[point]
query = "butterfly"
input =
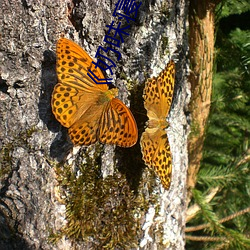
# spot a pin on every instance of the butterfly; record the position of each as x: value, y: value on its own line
x: 157, y: 95
x: 90, y: 111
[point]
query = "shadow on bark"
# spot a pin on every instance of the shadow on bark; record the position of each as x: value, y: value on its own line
x: 9, y: 239
x: 61, y: 145
x: 130, y: 159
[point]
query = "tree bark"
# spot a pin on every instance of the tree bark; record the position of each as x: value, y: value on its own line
x: 201, y: 40
x: 41, y: 171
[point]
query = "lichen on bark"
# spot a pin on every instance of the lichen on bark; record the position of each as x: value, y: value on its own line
x: 33, y: 143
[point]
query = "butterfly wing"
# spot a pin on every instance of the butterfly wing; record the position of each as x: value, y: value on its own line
x: 85, y: 130
x: 117, y: 125
x: 73, y: 64
x: 158, y: 93
x: 76, y: 91
x: 69, y: 104
x: 156, y: 154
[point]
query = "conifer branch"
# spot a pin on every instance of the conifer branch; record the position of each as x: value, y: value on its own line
x: 194, y: 209
x: 205, y: 238
x: 230, y: 217
x: 245, y: 159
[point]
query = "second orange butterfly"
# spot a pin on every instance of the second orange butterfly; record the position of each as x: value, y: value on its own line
x: 158, y: 94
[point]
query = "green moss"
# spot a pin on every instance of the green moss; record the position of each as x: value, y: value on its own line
x: 195, y: 129
x: 28, y: 133
x: 164, y: 45
x: 129, y: 83
x: 123, y: 76
x: 5, y: 160
x: 19, y: 140
x: 105, y: 212
x: 164, y: 10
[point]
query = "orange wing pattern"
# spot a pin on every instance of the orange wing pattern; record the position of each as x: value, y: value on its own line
x: 89, y: 110
x: 117, y: 125
x: 158, y: 93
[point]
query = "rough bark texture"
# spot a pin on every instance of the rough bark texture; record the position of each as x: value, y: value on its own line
x: 32, y: 142
x: 201, y: 40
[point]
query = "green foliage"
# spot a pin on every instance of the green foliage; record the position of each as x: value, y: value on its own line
x: 207, y: 211
x: 218, y: 176
x: 230, y: 7
x: 226, y: 153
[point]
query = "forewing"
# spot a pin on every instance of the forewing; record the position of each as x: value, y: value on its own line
x: 158, y: 92
x: 76, y: 92
x: 73, y: 64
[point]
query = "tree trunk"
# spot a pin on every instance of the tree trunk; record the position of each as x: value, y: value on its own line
x: 54, y: 196
x: 201, y: 40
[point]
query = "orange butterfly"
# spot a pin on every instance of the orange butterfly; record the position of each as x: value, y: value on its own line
x: 89, y: 110
x: 158, y: 93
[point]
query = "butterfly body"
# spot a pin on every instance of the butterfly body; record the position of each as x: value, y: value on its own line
x: 158, y: 93
x: 90, y: 111
x: 107, y: 96
x: 157, y: 123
